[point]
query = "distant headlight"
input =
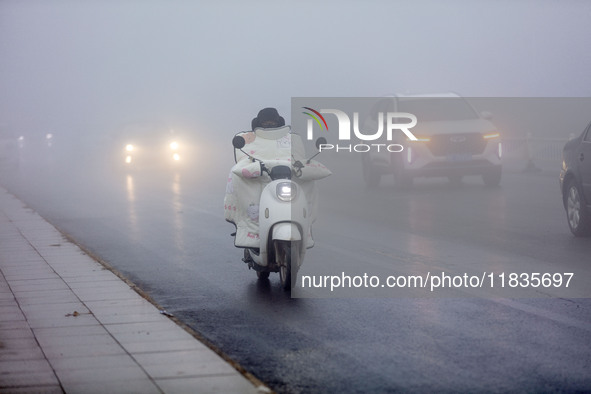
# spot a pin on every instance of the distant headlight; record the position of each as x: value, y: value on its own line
x: 174, y: 145
x: 129, y: 148
x: 176, y: 157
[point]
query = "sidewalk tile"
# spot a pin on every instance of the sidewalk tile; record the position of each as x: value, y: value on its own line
x: 68, y: 332
x: 99, y: 287
x: 32, y: 389
x: 92, y: 280
x: 184, y: 363
x: 12, y: 316
x: 106, y: 293
x: 91, y: 362
x: 127, y: 318
x: 207, y: 385
x: 37, y: 274
x: 143, y: 386
x: 62, y: 321
x: 97, y: 283
x: 19, y: 379
x: 115, y: 304
x: 25, y: 266
x: 14, y: 325
x: 141, y: 328
x: 4, y: 310
x: 24, y: 366
x: 46, y: 297
x: 151, y: 337
x: 8, y: 334
x: 95, y: 350
x: 76, y: 341
x: 101, y: 374
x: 163, y: 346
x: 51, y: 310
x: 55, y: 283
x: 23, y: 353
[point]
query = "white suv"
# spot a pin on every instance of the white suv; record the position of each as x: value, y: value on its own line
x: 454, y: 140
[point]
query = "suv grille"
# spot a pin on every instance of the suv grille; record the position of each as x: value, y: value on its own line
x: 453, y: 144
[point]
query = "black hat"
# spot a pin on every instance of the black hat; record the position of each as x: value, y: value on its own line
x: 268, y: 118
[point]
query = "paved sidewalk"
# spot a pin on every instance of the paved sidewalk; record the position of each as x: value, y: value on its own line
x: 67, y: 324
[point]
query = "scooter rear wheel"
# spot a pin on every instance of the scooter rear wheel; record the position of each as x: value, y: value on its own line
x: 262, y: 275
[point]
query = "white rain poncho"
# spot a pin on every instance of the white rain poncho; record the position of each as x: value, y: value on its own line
x: 245, y: 181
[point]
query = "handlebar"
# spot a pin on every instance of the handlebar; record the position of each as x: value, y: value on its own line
x: 239, y: 142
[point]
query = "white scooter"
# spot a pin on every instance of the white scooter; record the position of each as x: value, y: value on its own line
x: 284, y: 221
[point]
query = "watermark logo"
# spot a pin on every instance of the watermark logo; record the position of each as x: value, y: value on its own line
x: 386, y: 123
x: 315, y: 117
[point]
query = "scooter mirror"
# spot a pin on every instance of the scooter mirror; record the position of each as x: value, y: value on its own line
x: 238, y: 142
x: 320, y: 141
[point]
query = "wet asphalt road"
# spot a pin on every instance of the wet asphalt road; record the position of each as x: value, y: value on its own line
x: 165, y: 231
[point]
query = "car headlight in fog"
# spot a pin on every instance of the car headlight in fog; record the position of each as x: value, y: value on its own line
x: 128, y: 159
x: 420, y: 139
x: 129, y: 148
x: 488, y: 136
x: 174, y: 146
x: 176, y: 157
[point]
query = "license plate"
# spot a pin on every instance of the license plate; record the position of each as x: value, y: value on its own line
x: 459, y: 157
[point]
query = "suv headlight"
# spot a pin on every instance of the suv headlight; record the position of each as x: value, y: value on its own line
x: 286, y: 191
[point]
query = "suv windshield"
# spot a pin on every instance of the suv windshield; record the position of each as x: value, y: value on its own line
x: 437, y: 109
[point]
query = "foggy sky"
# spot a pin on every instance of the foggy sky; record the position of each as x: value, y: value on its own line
x: 73, y: 65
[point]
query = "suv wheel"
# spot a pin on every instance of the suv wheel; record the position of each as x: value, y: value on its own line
x: 577, y: 216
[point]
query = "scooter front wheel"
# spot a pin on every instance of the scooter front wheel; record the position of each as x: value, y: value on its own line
x: 283, y: 259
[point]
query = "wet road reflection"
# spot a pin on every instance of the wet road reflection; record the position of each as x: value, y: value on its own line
x: 177, y: 211
x: 166, y: 232
x: 131, y: 208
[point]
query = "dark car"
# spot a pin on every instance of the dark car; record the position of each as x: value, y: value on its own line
x: 575, y: 183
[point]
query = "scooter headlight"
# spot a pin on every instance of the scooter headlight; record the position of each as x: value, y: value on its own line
x: 286, y: 191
